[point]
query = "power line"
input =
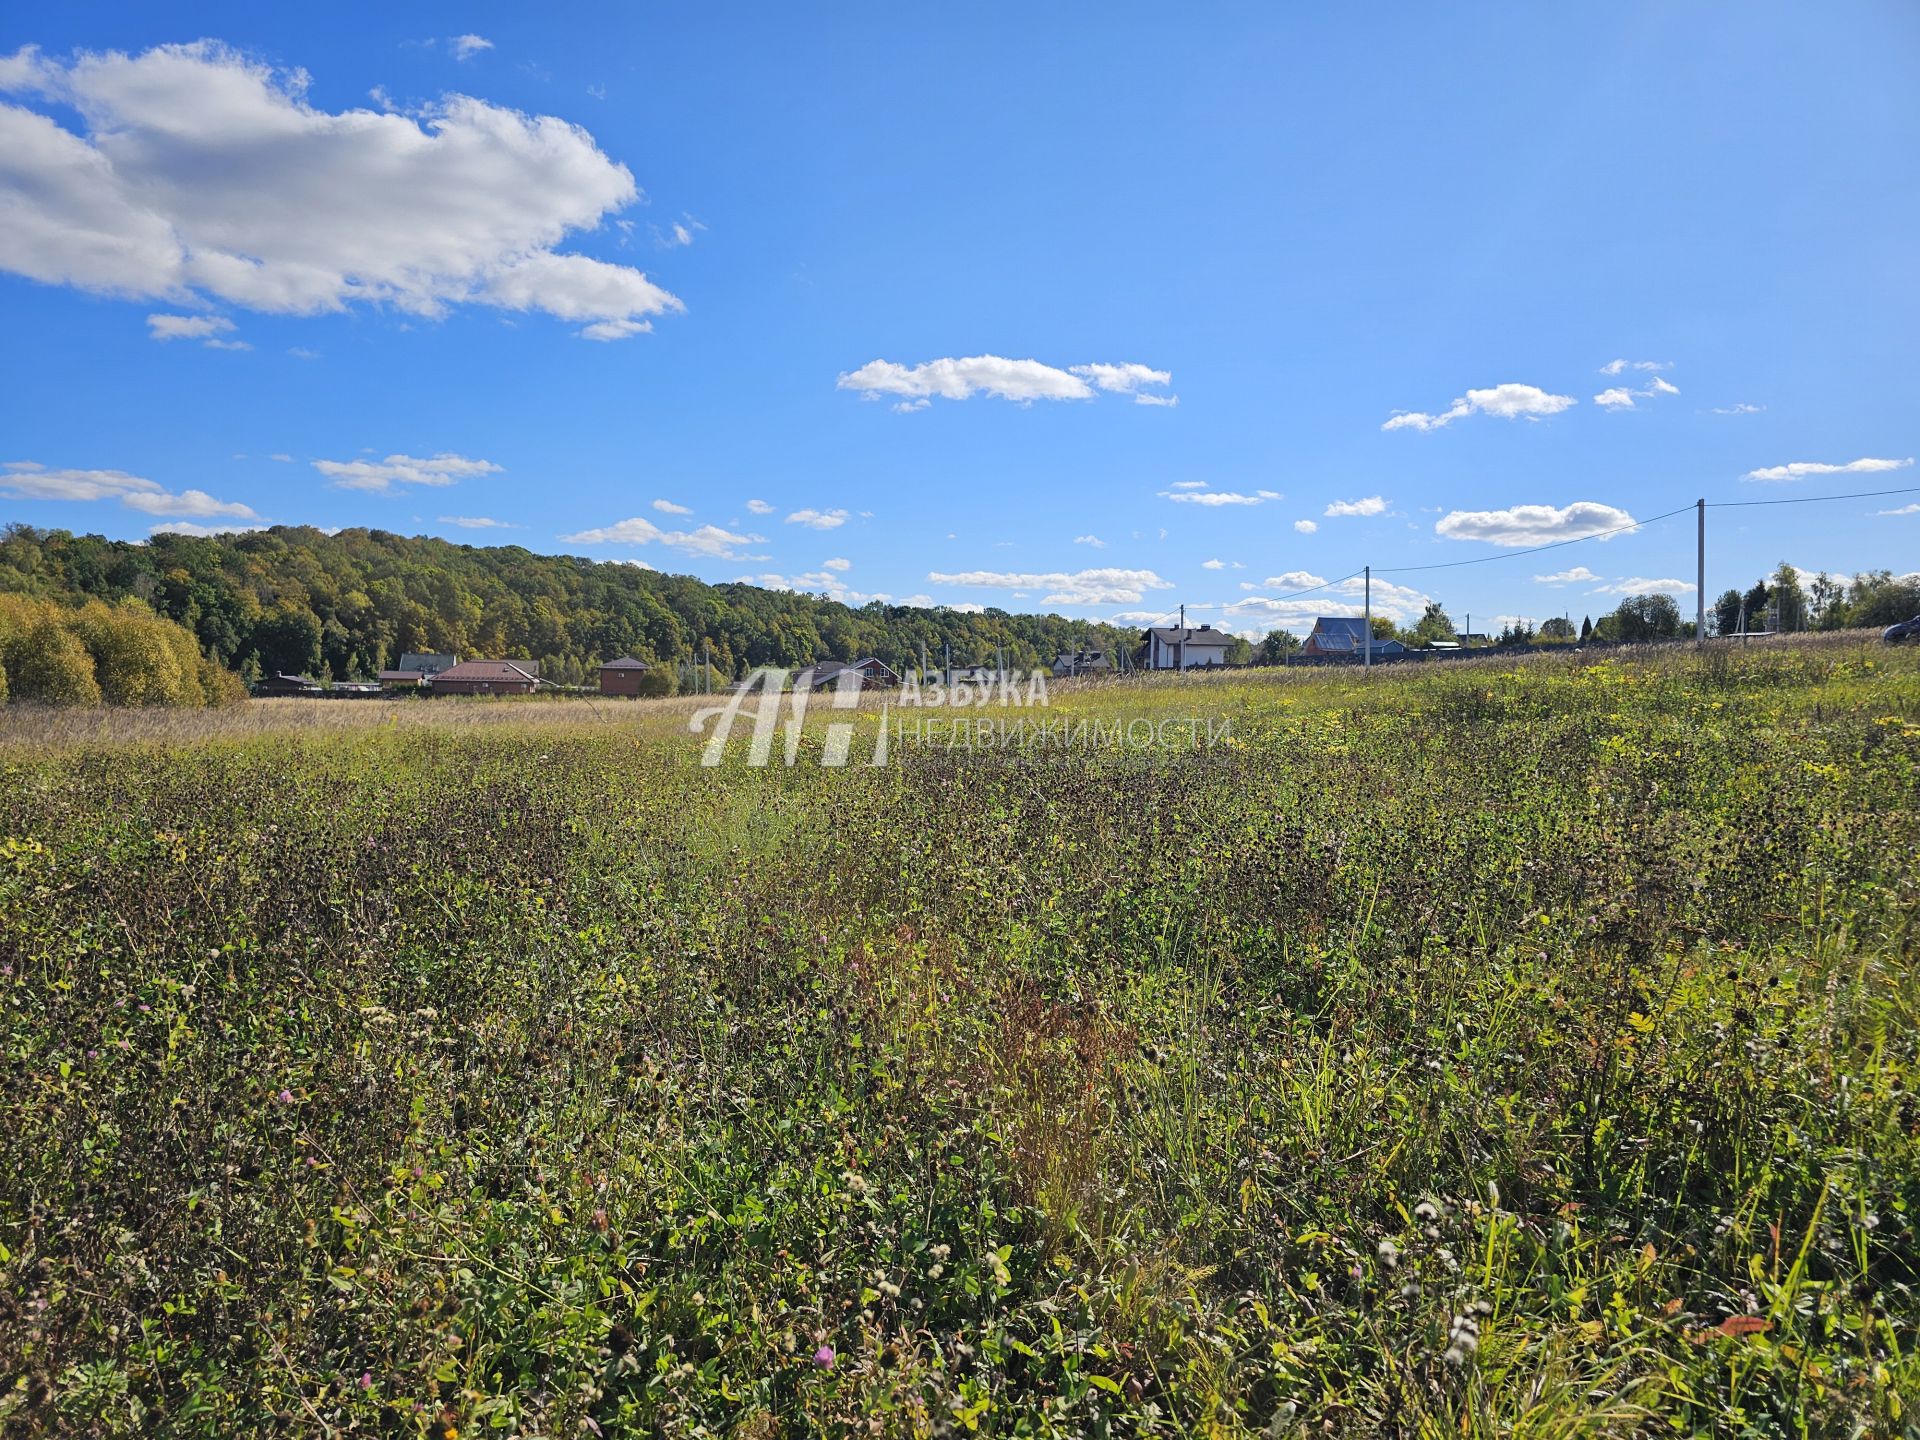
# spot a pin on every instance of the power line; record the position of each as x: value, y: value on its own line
x: 1535, y: 549
x: 1814, y: 499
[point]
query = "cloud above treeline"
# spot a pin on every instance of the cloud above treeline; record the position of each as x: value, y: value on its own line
x: 1521, y: 525
x: 201, y: 176
x: 29, y: 480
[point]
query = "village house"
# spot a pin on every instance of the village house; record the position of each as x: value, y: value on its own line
x: 623, y: 676
x: 873, y: 673
x: 1197, y: 648
x: 1344, y: 637
x: 287, y: 685
x: 1082, y: 662
x: 487, y: 677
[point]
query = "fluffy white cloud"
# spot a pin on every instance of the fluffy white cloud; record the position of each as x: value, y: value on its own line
x: 477, y: 522
x: 1619, y: 397
x: 443, y: 469
x: 760, y: 507
x: 1399, y: 603
x: 1533, y: 524
x: 1023, y: 381
x: 209, y: 330
x: 1620, y: 367
x: 26, y: 480
x: 465, y: 47
x: 197, y: 504
x: 1306, y: 527
x: 818, y: 519
x: 197, y: 171
x: 1094, y: 540
x: 1507, y: 401
x: 1801, y: 469
x: 1372, y: 505
x: 1913, y: 509
x: 709, y: 540
x: 678, y: 235
x: 1219, y: 497
x: 667, y: 507
x: 1081, y: 587
x: 1293, y: 580
x: 836, y: 563
x: 1636, y: 585
x: 1578, y: 575
x: 820, y: 583
x: 1128, y: 380
x: 1189, y: 485
x: 1213, y: 564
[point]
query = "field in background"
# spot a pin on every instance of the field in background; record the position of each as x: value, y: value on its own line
x: 1489, y: 1049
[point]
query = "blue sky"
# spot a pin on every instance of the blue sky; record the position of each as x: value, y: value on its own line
x: 784, y: 268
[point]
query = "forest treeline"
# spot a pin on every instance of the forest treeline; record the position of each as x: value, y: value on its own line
x: 301, y: 601
x: 95, y: 653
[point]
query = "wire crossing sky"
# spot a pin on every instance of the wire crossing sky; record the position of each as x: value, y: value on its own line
x: 1096, y: 309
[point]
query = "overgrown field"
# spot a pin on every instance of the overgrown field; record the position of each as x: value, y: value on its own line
x: 1476, y: 1052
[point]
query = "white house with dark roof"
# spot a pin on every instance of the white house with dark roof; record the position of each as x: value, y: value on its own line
x: 1195, y: 648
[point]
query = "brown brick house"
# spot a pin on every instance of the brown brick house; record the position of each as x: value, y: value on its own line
x: 622, y: 676
x: 486, y: 677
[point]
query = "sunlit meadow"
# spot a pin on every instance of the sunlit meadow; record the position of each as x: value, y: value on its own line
x: 1483, y: 1050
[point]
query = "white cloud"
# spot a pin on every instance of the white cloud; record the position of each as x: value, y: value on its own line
x: 1306, y: 527
x: 1094, y: 540
x: 1219, y: 497
x: 442, y: 469
x: 1507, y: 401
x: 1022, y: 381
x: 465, y: 47
x: 1620, y: 397
x: 1740, y: 409
x: 1399, y: 603
x: 667, y: 507
x: 198, y: 172
x: 1189, y: 485
x: 1372, y: 505
x: 1213, y: 564
x: 818, y: 519
x: 1903, y: 510
x: 1532, y: 524
x: 282, y: 457
x: 1617, y: 367
x: 678, y: 235
x: 1128, y: 380
x: 26, y: 480
x: 189, y: 527
x: 1293, y: 580
x: 837, y: 563
x: 822, y: 583
x: 1578, y: 575
x: 210, y: 330
x: 1801, y: 469
x: 708, y: 540
x: 477, y: 522
x: 1081, y: 587
x: 760, y: 507
x: 188, y: 503
x: 1638, y: 586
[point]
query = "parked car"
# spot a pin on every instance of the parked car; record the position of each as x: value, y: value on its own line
x: 1905, y: 630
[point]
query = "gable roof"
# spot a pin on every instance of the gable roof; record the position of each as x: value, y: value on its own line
x: 626, y: 662
x: 1196, y: 635
x: 508, y: 671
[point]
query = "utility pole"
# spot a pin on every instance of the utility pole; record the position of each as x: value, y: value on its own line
x: 1700, y: 574
x: 1367, y: 640
x: 1180, y: 650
